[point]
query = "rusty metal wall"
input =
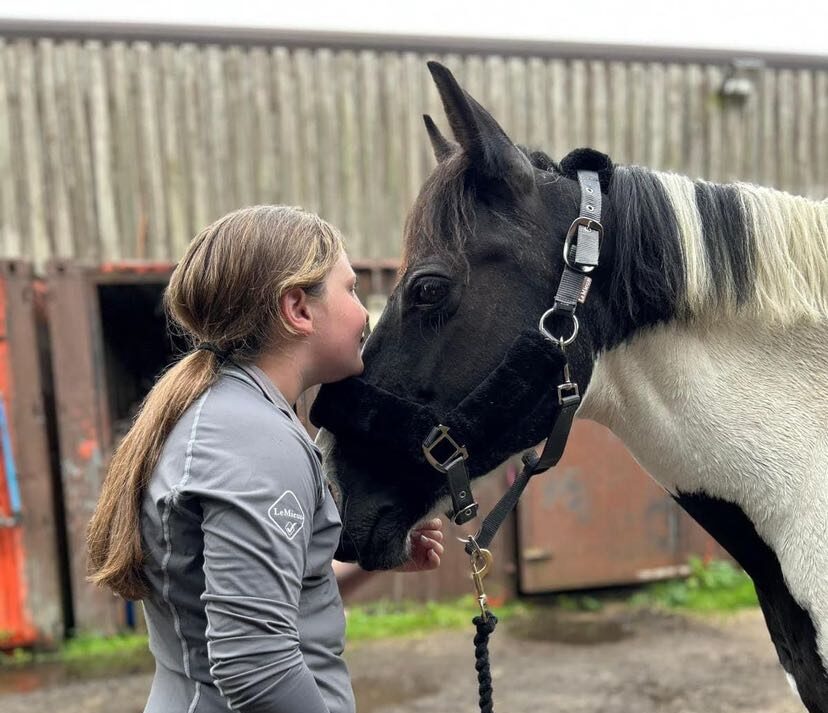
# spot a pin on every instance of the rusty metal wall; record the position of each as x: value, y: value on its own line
x: 598, y: 519
x: 35, y: 585
x: 84, y: 425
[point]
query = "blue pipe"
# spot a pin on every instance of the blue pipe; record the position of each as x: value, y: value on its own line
x: 8, y: 462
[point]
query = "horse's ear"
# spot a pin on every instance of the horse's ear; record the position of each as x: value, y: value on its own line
x: 588, y: 160
x: 480, y: 136
x: 443, y: 148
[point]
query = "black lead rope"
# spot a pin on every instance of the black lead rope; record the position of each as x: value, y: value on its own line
x: 486, y: 622
x: 485, y: 628
x: 532, y: 465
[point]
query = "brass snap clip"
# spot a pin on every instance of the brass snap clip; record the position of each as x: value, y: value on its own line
x: 481, y: 563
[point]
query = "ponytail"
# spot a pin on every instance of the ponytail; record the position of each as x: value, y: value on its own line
x: 114, y: 532
x: 224, y: 292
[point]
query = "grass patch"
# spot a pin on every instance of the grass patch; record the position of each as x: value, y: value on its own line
x: 123, y: 648
x: 367, y: 622
x: 84, y: 647
x: 381, y: 620
x: 715, y: 586
x: 578, y: 602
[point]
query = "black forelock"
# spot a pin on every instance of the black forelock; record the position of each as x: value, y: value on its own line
x: 443, y: 215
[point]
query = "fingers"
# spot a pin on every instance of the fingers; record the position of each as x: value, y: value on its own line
x: 427, y: 540
x: 432, y: 529
x: 429, y: 558
x: 426, y: 546
x: 433, y: 546
x: 434, y: 558
x: 435, y: 535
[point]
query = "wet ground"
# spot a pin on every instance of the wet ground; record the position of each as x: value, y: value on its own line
x: 613, y: 661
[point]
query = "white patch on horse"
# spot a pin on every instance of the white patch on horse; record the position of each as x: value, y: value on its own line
x: 698, y: 280
x: 736, y: 411
x: 790, y: 260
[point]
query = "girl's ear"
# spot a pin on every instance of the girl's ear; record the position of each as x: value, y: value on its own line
x: 296, y: 311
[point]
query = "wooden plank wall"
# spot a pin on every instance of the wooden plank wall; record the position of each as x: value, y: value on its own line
x: 113, y: 150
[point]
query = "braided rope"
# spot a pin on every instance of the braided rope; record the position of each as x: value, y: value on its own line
x: 485, y: 628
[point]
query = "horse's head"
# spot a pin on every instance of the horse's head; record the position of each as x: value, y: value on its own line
x: 482, y: 259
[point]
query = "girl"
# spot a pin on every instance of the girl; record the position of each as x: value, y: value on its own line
x: 215, y: 510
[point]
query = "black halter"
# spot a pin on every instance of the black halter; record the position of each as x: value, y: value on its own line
x: 579, y: 260
x: 465, y: 442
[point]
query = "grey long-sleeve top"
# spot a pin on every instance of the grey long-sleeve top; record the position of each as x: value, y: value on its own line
x: 239, y: 531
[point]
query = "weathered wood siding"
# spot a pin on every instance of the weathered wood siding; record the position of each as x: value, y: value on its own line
x: 114, y: 149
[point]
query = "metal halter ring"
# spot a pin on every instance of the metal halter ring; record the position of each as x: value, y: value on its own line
x: 470, y: 540
x: 558, y: 340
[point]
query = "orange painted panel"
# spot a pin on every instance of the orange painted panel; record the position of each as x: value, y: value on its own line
x: 15, y: 626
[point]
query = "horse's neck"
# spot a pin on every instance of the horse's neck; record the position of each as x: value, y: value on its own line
x: 724, y: 408
x: 738, y: 413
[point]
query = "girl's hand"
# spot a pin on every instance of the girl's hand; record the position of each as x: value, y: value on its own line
x: 426, y: 547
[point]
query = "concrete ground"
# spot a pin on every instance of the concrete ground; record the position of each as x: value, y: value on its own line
x: 614, y: 661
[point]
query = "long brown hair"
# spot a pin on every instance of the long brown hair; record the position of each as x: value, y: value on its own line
x: 225, y: 291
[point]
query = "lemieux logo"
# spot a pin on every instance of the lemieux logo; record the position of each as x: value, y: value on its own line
x: 287, y: 514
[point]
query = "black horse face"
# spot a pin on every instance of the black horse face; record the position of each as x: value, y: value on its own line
x: 483, y: 256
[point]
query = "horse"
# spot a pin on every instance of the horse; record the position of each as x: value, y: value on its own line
x: 701, y: 342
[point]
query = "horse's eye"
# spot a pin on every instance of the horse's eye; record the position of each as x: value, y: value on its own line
x: 429, y: 291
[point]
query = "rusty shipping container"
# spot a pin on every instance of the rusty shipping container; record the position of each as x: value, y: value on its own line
x: 32, y: 598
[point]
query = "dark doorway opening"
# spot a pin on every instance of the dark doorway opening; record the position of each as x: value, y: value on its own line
x: 137, y: 346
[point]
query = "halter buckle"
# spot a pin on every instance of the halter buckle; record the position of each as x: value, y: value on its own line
x: 439, y: 434
x: 589, y: 224
x: 570, y: 387
x: 573, y: 394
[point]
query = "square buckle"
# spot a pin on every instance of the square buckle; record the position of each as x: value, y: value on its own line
x: 437, y: 436
x: 589, y: 224
x: 568, y: 393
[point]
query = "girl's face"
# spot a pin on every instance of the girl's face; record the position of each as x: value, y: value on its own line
x: 339, y: 325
